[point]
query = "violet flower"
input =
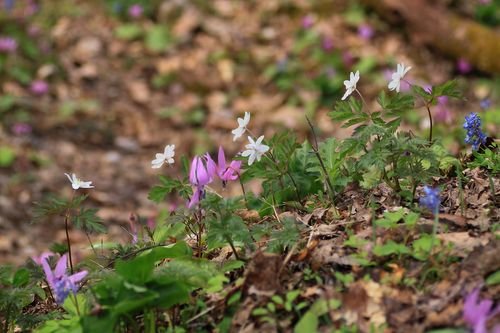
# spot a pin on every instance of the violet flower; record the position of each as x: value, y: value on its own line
x: 135, y: 11
x: 365, y: 31
x: 475, y: 135
x: 59, y: 281
x: 477, y: 312
x: 39, y: 87
x: 485, y: 103
x: 41, y: 258
x: 7, y: 45
x: 431, y: 199
x: 463, y: 66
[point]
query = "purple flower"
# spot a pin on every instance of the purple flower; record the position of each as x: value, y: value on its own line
x: 39, y: 87
x: 21, y: 128
x: 431, y: 199
x: 347, y: 59
x: 8, y: 5
x: 227, y: 172
x: 201, y: 173
x: 135, y: 11
x: 59, y: 281
x: 307, y: 21
x: 7, y: 45
x: 475, y: 135
x: 463, y: 66
x: 41, y: 258
x: 477, y: 312
x: 327, y: 44
x: 365, y: 31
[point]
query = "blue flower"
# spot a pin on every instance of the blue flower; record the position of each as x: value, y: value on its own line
x: 485, y: 104
x: 475, y: 135
x: 431, y: 199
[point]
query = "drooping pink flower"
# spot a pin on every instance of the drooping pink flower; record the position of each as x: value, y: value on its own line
x: 443, y: 113
x: 39, y: 87
x: 135, y: 11
x: 307, y: 21
x: 227, y: 172
x: 327, y: 44
x: 347, y: 59
x: 201, y: 173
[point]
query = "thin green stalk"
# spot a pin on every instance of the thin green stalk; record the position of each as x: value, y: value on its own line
x: 74, y: 299
x: 315, y: 148
x: 434, y: 230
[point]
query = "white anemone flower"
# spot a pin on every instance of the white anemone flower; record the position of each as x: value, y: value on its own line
x: 242, y: 126
x: 255, y: 150
x: 350, y: 85
x: 166, y: 157
x: 397, y: 76
x: 77, y: 183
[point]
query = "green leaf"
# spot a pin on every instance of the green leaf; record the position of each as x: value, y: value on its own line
x: 7, y: 102
x: 449, y: 88
x: 308, y: 323
x: 70, y: 306
x: 128, y: 31
x: 138, y: 270
x: 390, y: 248
x: 21, y: 278
x: 7, y: 156
x: 422, y: 246
x: 158, y: 38
x: 493, y: 279
x: 87, y: 220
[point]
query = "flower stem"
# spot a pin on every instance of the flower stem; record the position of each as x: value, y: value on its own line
x: 69, y: 243
x: 430, y: 121
x: 66, y: 218
x: 315, y: 148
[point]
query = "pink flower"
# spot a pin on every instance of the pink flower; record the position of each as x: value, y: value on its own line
x: 135, y: 11
x: 227, y: 172
x: 476, y: 314
x: 307, y: 21
x: 21, y: 128
x: 7, y: 45
x: 39, y: 87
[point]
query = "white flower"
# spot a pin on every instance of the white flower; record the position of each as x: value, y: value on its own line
x: 255, y: 150
x: 166, y: 157
x: 397, y: 76
x: 78, y: 183
x: 350, y: 85
x: 242, y: 126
